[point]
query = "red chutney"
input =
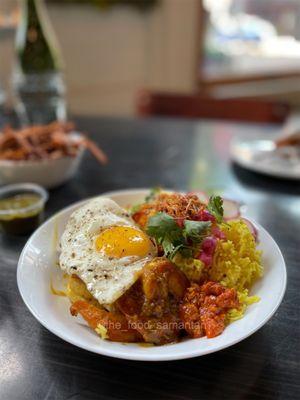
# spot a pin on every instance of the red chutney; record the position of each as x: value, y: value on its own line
x: 204, y: 307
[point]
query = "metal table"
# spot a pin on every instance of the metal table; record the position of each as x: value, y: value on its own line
x: 35, y: 364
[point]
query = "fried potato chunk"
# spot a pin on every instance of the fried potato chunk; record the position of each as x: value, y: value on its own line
x: 77, y: 290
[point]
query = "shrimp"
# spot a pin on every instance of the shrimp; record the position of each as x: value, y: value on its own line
x: 162, y: 282
x: 152, y: 304
x: 148, y: 311
x: 116, y: 326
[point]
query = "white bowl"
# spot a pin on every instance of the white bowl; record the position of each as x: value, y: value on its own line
x: 37, y: 269
x: 47, y: 173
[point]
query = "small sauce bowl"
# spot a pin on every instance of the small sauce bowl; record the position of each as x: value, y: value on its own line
x: 21, y: 208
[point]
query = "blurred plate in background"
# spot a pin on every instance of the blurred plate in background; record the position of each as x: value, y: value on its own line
x: 262, y: 156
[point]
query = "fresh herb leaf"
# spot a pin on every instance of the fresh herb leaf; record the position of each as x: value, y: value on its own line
x: 169, y: 248
x: 173, y: 239
x: 195, y: 230
x: 185, y: 251
x: 164, y: 229
x: 215, y: 207
x: 175, y: 251
x: 162, y: 226
x: 153, y: 193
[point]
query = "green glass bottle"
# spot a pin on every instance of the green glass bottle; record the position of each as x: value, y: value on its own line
x: 38, y: 81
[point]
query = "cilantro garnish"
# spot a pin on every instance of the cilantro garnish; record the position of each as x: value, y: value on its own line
x: 195, y: 230
x: 173, y: 238
x: 162, y: 225
x: 215, y: 207
x: 152, y: 194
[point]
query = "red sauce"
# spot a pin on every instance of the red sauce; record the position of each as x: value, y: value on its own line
x: 204, y: 308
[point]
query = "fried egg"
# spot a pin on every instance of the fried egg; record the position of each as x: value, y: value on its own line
x: 104, y: 247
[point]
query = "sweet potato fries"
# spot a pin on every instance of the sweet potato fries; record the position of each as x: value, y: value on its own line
x: 41, y: 142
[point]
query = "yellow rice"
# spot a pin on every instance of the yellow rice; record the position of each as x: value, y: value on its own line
x: 237, y: 263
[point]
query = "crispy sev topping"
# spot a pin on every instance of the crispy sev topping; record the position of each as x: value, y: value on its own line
x: 177, y: 205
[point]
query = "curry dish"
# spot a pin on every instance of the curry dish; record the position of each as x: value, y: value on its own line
x: 170, y: 268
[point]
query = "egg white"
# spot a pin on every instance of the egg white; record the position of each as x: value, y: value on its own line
x: 106, y: 278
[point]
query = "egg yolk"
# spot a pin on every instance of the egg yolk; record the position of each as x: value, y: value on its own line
x: 123, y: 241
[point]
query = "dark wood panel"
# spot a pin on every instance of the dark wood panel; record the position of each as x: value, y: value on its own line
x: 196, y: 106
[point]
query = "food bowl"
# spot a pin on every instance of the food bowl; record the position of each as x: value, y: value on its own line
x: 48, y: 172
x: 48, y: 155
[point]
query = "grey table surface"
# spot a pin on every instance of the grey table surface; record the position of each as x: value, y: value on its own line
x: 181, y: 154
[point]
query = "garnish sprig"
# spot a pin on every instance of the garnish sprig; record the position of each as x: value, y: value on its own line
x: 174, y: 238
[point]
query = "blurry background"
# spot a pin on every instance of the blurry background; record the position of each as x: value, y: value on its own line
x: 218, y: 48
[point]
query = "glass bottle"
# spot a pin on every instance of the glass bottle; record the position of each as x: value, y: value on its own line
x: 37, y: 78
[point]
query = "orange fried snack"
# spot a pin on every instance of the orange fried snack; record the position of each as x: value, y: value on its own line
x: 40, y: 142
x: 288, y: 140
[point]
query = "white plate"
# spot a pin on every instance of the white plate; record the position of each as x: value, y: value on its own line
x: 262, y: 156
x: 37, y: 267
